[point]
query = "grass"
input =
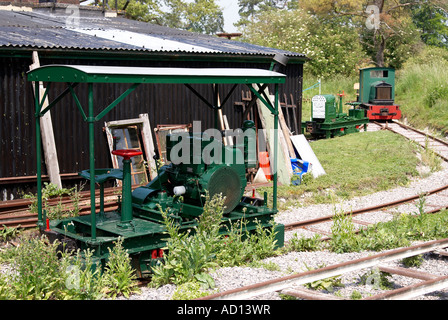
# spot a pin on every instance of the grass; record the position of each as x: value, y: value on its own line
x: 356, y: 165
x: 422, y: 90
x: 401, y: 231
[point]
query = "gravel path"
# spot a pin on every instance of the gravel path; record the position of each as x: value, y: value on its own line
x: 230, y: 278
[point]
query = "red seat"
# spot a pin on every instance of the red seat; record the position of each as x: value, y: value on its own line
x: 126, y: 153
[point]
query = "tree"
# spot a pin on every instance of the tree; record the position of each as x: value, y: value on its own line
x: 142, y: 10
x: 249, y: 9
x: 432, y: 21
x: 387, y: 21
x: 202, y: 16
x: 332, y: 45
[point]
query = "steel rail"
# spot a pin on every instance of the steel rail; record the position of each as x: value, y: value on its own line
x: 420, y: 132
x: 299, y: 224
x: 287, y: 282
x: 413, y: 291
x: 29, y: 220
x: 406, y: 127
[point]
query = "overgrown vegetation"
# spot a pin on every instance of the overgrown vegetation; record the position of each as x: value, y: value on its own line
x: 51, y: 192
x: 37, y: 271
x: 422, y: 89
x: 401, y: 231
x: 190, y: 255
x: 355, y: 165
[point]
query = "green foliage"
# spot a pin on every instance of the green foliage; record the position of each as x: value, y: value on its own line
x: 377, y: 279
x: 430, y: 158
x: 327, y: 284
x: 414, y: 261
x: 356, y: 295
x: 305, y: 244
x: 325, y: 42
x: 82, y: 277
x: 142, y: 10
x: 432, y: 21
x: 239, y: 247
x: 343, y: 237
x: 399, y: 232
x: 202, y: 16
x: 51, y: 191
x: 38, y: 271
x: 119, y: 276
x: 190, y: 254
x: 8, y: 233
x: 189, y: 291
x: 422, y: 90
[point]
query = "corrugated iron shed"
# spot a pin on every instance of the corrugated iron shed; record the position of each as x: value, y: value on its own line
x: 44, y: 28
x: 98, y: 40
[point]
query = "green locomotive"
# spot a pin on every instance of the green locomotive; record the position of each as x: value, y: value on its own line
x: 377, y: 94
x: 328, y: 119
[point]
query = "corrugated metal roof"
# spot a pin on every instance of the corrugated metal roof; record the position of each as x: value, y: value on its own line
x: 42, y: 28
x: 108, y: 74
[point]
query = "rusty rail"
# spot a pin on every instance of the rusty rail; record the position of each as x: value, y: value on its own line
x: 287, y: 282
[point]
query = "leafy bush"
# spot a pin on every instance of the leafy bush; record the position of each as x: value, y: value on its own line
x: 422, y: 91
x: 119, y: 277
x: 58, y: 211
x: 39, y: 272
x: 399, y: 232
x: 305, y: 244
x: 190, y: 254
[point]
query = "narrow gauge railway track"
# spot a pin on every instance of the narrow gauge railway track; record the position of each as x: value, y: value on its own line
x: 291, y: 284
x: 305, y: 224
x: 16, y: 212
x: 439, y: 146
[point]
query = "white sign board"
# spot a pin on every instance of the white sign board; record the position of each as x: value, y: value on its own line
x: 318, y: 103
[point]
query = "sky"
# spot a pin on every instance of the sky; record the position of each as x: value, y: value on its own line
x: 230, y: 11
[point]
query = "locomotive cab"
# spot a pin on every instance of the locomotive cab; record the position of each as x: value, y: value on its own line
x: 381, y: 93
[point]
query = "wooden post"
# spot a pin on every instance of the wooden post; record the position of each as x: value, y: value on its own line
x: 49, y: 146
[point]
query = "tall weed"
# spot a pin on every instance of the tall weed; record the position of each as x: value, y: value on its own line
x: 190, y: 254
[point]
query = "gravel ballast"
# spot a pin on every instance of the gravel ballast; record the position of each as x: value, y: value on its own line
x: 293, y: 262
x: 296, y: 262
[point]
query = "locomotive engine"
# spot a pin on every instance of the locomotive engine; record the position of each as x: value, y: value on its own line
x: 377, y: 94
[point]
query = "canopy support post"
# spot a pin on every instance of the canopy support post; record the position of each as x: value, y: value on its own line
x: 40, y: 222
x: 91, y: 121
x: 274, y: 187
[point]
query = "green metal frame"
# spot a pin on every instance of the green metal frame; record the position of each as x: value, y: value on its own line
x: 72, y: 75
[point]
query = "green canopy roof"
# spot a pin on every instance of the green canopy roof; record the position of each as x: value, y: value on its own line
x: 111, y: 74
